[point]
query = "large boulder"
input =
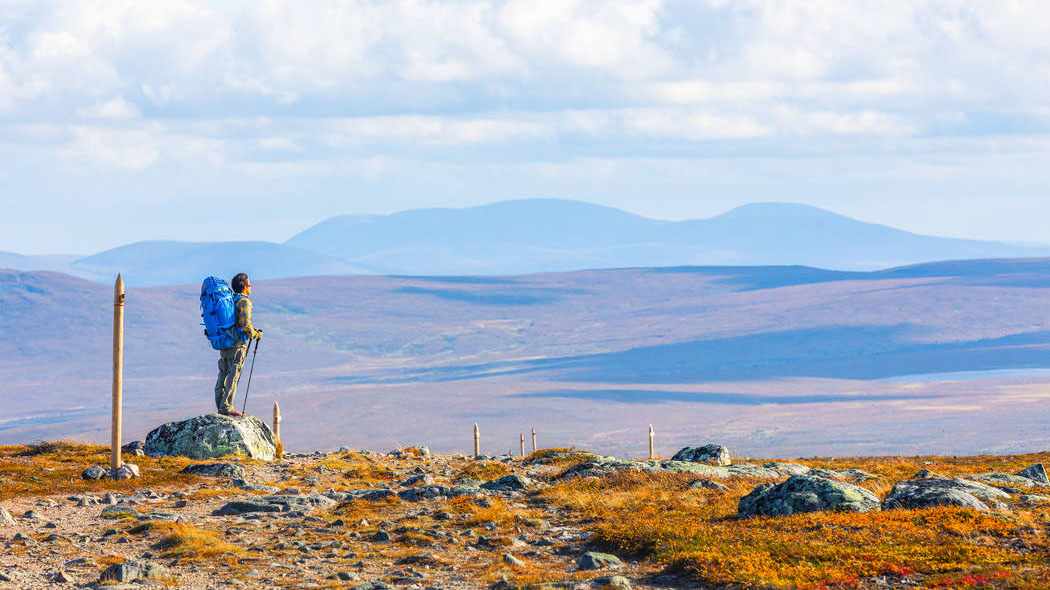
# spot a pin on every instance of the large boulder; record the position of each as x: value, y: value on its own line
x: 1036, y: 473
x: 213, y: 436
x: 928, y: 489
x: 806, y: 493
x: 712, y: 454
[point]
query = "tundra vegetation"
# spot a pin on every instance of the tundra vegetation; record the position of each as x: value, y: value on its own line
x: 358, y: 518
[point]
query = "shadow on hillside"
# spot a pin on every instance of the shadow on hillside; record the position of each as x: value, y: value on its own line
x: 648, y: 396
x: 519, y: 297
x: 849, y: 352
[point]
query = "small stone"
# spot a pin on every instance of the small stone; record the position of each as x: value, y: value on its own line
x: 380, y: 537
x: 617, y: 582
x: 592, y: 560
x: 31, y: 515
x: 62, y: 577
x: 134, y: 448
x: 344, y: 576
x: 712, y: 454
x: 5, y: 517
x: 126, y: 471
x: 119, y: 511
x: 216, y: 470
x: 512, y: 561
x: 135, y: 569
x: 93, y: 472
x: 373, y: 586
x: 181, y: 503
x: 707, y: 484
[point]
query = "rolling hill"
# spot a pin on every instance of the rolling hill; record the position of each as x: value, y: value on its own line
x: 772, y: 359
x: 531, y: 236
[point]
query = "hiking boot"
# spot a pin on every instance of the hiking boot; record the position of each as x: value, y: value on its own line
x: 234, y: 413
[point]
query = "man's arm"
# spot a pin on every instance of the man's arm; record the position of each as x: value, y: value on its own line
x: 244, y: 318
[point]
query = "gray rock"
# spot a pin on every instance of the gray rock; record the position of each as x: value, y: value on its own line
x: 930, y: 489
x: 605, y: 466
x: 707, y: 484
x: 512, y: 482
x: 1034, y: 499
x: 423, y: 479
x: 381, y: 537
x: 135, y: 569
x: 166, y: 516
x: 843, y: 474
x: 1005, y: 481
x: 119, y: 511
x: 276, y: 503
x: 806, y: 493
x: 592, y: 560
x: 1035, y: 473
x: 93, y: 472
x: 373, y: 586
x: 134, y: 448
x: 63, y: 577
x: 712, y: 454
x: 251, y: 487
x: 126, y: 471
x: 213, y: 436
x: 5, y: 517
x: 512, y: 561
x: 216, y: 470
x: 617, y: 582
x: 371, y: 494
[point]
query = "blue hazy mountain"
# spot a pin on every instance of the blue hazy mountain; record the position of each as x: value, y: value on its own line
x: 146, y: 264
x: 540, y: 235
x: 533, y: 236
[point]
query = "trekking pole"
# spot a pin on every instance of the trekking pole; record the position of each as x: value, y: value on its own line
x: 250, y: 371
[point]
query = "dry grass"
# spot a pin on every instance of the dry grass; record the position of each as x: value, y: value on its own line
x: 696, y: 531
x: 186, y: 541
x: 484, y: 470
x: 55, y: 468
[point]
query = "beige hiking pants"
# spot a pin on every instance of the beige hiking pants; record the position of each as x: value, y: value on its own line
x: 231, y: 361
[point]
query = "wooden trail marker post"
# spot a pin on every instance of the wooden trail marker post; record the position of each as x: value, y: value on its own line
x: 522, y: 445
x: 652, y: 455
x: 118, y: 371
x: 276, y: 421
x: 533, y: 440
x: 477, y: 441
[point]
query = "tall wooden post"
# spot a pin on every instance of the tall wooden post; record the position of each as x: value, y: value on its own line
x: 533, y: 440
x: 276, y: 421
x: 522, y: 445
x: 652, y: 455
x: 477, y: 441
x: 118, y: 371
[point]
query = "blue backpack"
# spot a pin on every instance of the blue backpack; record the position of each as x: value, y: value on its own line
x: 218, y: 311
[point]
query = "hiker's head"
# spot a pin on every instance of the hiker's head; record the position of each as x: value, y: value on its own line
x: 241, y: 284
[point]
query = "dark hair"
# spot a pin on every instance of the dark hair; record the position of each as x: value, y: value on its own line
x: 239, y: 282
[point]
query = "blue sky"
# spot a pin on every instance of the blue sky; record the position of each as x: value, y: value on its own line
x: 123, y: 121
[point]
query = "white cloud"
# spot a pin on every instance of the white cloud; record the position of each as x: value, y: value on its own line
x: 114, y: 108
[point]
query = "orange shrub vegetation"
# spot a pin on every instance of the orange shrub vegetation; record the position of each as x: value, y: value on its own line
x: 697, y: 531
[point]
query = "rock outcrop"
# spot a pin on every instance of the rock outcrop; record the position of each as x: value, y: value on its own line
x: 216, y: 470
x: 277, y: 503
x: 710, y: 454
x: 603, y: 466
x: 135, y: 569
x: 1036, y: 473
x: 806, y: 493
x: 928, y: 489
x: 213, y: 436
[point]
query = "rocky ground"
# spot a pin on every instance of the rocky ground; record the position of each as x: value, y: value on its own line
x: 409, y: 519
x: 420, y: 522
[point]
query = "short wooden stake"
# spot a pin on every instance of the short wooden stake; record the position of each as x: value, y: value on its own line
x: 276, y: 421
x: 652, y: 455
x: 115, y: 462
x: 533, y: 440
x: 522, y: 445
x: 477, y: 441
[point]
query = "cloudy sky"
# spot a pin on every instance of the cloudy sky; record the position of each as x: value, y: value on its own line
x: 123, y: 121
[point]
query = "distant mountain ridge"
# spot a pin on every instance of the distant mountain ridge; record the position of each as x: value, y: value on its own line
x: 533, y: 236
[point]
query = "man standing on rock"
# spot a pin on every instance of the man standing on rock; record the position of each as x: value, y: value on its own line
x: 231, y: 360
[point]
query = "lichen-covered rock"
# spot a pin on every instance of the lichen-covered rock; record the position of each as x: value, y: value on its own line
x: 276, y: 503
x: 126, y: 471
x: 213, y: 436
x: 592, y: 560
x: 93, y: 472
x: 806, y: 493
x: 5, y: 517
x: 712, y: 454
x: 431, y: 492
x: 707, y: 484
x: 119, y: 511
x: 216, y: 470
x: 512, y: 482
x: 134, y: 448
x: 604, y: 466
x: 135, y: 569
x: 930, y: 489
x: 844, y: 474
x: 1005, y: 480
x: 1036, y: 473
